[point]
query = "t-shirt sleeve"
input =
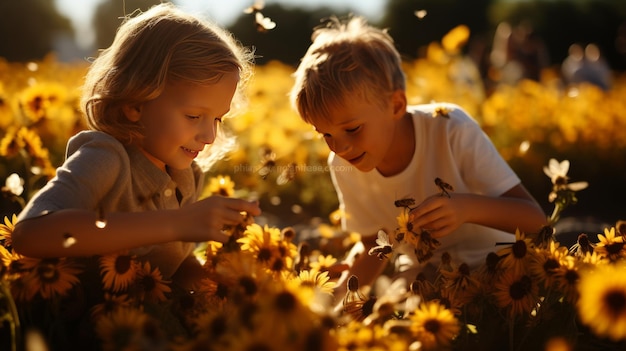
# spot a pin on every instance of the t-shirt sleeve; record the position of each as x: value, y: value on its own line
x: 93, y: 162
x: 482, y: 167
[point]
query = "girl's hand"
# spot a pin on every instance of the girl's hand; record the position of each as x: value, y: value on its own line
x: 439, y: 215
x: 205, y: 219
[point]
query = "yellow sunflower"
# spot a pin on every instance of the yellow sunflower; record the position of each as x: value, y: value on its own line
x: 6, y: 230
x: 566, y: 278
x: 268, y: 246
x: 323, y: 263
x: 221, y: 185
x: 602, y: 303
x: 544, y: 264
x: 434, y: 326
x: 37, y: 101
x: 125, y: 329
x: 284, y: 314
x: 11, y: 144
x: 461, y: 284
x: 51, y: 277
x: 317, y: 280
x: 111, y: 303
x: 261, y: 241
x: 40, y: 156
x: 5, y: 262
x: 517, y: 293
x: 152, y: 286
x: 517, y: 256
x: 611, y: 246
x: 118, y: 271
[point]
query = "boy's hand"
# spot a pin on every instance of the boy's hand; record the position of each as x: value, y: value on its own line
x: 439, y: 215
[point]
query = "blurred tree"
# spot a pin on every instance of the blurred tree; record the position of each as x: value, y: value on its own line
x: 412, y: 33
x: 291, y: 37
x: 109, y: 14
x: 29, y: 29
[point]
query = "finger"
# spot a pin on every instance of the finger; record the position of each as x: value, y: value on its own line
x: 232, y: 217
x: 219, y: 235
x: 251, y: 207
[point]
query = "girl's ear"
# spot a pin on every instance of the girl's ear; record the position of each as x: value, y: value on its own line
x: 132, y: 112
x: 398, y: 103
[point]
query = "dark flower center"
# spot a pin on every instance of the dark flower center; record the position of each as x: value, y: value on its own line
x: 222, y: 290
x: 218, y: 326
x: 249, y: 285
x: 264, y: 254
x: 520, y: 288
x: 519, y: 249
x: 614, y: 248
x: 550, y: 265
x: 616, y: 301
x: 148, y: 283
x: 48, y: 273
x: 122, y: 264
x: 432, y: 326
x: 277, y: 265
x: 285, y: 302
x: 571, y: 277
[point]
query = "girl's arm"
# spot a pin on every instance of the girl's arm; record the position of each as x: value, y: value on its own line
x: 515, y: 209
x: 73, y: 232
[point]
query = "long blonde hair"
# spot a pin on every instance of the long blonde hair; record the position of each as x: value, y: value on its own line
x: 159, y: 45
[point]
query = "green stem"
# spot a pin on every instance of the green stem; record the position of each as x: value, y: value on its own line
x: 511, y: 335
x: 14, y: 322
x: 555, y: 214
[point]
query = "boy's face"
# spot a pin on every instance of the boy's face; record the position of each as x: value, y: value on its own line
x: 183, y: 120
x: 363, y: 132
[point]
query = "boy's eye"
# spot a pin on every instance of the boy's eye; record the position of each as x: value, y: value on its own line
x: 192, y: 116
x: 352, y: 130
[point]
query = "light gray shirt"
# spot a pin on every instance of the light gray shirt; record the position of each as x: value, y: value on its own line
x: 101, y: 174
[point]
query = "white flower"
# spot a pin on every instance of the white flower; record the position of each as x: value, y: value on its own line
x: 14, y: 184
x: 557, y: 171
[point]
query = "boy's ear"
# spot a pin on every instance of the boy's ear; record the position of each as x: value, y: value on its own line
x: 398, y: 103
x: 132, y: 112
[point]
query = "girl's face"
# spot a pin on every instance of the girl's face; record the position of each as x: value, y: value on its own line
x: 183, y: 120
x: 366, y: 134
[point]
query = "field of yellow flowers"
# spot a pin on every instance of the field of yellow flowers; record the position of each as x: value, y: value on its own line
x: 270, y: 287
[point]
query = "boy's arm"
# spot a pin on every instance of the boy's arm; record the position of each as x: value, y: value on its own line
x: 515, y: 209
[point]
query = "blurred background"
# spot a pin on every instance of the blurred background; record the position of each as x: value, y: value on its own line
x: 545, y: 78
x: 74, y: 29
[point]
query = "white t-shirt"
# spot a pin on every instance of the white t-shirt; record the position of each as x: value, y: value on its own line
x: 454, y: 149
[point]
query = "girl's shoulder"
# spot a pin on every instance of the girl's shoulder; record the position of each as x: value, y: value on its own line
x: 94, y: 140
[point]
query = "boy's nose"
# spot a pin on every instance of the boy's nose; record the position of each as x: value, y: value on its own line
x: 340, y: 146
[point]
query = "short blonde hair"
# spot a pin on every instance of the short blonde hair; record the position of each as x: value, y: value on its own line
x: 159, y: 45
x: 346, y: 58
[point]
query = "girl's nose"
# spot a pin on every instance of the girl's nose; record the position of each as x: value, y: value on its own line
x: 208, y: 132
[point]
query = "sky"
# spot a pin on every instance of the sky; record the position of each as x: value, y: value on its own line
x: 224, y: 12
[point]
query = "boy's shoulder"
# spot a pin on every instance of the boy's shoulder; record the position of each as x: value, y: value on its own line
x: 441, y: 111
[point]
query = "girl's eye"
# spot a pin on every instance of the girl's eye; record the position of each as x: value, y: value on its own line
x: 352, y: 130
x: 192, y: 116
